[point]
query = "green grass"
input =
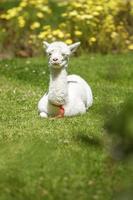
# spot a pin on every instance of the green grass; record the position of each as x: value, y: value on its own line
x: 63, y: 159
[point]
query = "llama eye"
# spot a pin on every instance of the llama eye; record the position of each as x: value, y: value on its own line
x: 63, y: 54
x: 49, y: 54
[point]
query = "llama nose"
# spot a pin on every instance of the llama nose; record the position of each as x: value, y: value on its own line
x: 55, y: 59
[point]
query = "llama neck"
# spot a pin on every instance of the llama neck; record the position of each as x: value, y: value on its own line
x: 58, y: 90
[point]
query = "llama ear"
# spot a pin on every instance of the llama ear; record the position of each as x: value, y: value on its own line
x: 45, y: 44
x: 74, y: 46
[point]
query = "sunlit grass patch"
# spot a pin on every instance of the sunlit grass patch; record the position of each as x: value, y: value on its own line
x: 63, y: 158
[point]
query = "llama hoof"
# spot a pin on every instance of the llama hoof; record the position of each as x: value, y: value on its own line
x: 43, y: 114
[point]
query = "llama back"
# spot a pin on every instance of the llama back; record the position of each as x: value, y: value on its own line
x: 76, y: 78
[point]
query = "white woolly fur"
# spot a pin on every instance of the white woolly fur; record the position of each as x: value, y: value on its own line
x: 72, y: 92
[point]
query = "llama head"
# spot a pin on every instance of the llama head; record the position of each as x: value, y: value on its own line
x: 59, y: 52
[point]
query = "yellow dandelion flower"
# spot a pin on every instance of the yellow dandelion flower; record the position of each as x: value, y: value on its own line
x: 23, y: 4
x: 62, y: 4
x: 21, y: 21
x: 58, y: 33
x: 69, y: 41
x: 19, y: 9
x: 92, y: 39
x: 62, y: 25
x: 130, y: 47
x: 32, y: 37
x: 114, y: 35
x: 73, y: 13
x: 64, y: 15
x: 3, y: 16
x: 47, y: 27
x: 43, y: 35
x: 49, y: 36
x: 96, y: 13
x: 40, y: 15
x: 78, y: 33
x: 55, y: 32
x: 35, y: 25
x: 86, y: 17
x: 89, y: 16
x: 32, y: 2
x: 99, y: 8
x: 12, y: 12
x: 77, y: 5
x: 45, y: 9
x: 79, y: 17
x: 61, y: 35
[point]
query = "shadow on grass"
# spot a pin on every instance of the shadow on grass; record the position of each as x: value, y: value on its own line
x: 88, y: 140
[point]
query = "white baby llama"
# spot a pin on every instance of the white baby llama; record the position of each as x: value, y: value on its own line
x: 67, y: 95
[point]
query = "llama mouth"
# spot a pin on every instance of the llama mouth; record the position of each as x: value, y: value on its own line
x: 55, y: 64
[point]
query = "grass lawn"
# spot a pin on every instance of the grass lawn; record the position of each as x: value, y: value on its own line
x: 62, y: 159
